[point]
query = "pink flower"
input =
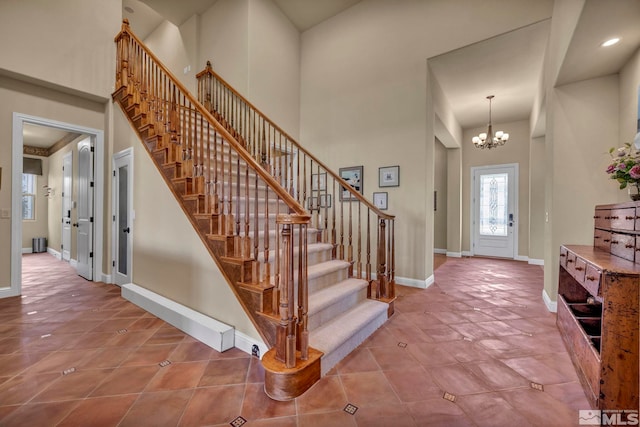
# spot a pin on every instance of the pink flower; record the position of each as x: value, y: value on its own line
x: 621, y: 166
x: 634, y: 172
x: 611, y: 168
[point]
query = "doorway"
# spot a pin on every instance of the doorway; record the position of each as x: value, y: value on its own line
x: 494, y: 213
x: 122, y: 203
x: 67, y: 190
x: 97, y: 138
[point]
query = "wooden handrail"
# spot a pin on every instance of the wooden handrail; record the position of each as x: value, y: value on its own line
x: 355, y: 194
x: 273, y: 184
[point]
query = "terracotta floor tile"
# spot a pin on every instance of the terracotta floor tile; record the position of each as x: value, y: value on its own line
x: 438, y: 412
x: 98, y: 412
x: 413, y: 384
x: 75, y: 385
x: 327, y: 395
x: 178, y: 376
x: 258, y: 405
x: 360, y: 360
x: 38, y: 414
x: 116, y: 349
x: 200, y: 411
x: 224, y: 371
x: 126, y: 380
x: 157, y: 409
x: 368, y: 389
x: 457, y: 380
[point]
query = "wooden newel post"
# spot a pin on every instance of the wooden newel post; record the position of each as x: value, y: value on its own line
x: 381, y: 273
x: 285, y: 337
x: 124, y: 55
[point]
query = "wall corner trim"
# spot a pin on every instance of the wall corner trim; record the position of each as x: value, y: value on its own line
x: 552, y: 306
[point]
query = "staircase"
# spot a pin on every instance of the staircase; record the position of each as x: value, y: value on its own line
x: 292, y: 238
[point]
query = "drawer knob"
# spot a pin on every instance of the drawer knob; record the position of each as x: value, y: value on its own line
x: 630, y: 217
x: 596, y: 237
x: 591, y: 278
x: 579, y: 268
x: 615, y: 217
x: 563, y: 255
x: 614, y: 242
x: 607, y: 217
x: 628, y: 246
x: 596, y: 217
x: 569, y: 261
x: 607, y: 240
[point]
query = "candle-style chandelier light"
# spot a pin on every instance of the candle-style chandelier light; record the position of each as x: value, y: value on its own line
x: 488, y: 139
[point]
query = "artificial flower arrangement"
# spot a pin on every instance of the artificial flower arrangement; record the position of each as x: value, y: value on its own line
x: 625, y: 166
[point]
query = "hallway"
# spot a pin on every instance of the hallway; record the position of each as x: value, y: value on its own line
x: 472, y: 350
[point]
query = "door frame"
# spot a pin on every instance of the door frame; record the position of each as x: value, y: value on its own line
x: 128, y: 155
x: 472, y: 204
x: 86, y: 201
x: 69, y: 155
x: 97, y: 135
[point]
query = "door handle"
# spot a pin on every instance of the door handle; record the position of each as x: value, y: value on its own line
x: 75, y: 224
x: 126, y: 230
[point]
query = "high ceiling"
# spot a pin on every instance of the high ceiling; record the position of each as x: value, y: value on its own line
x: 507, y: 66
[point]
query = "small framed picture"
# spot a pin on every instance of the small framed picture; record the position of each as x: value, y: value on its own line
x: 389, y: 176
x: 319, y: 181
x: 320, y: 202
x: 353, y: 176
x: 380, y: 200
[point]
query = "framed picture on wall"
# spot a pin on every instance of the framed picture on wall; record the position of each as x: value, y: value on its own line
x: 389, y: 176
x: 380, y: 200
x: 353, y: 176
x: 319, y: 181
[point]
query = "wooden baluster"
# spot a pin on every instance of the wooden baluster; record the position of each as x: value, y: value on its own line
x: 303, y: 294
x: 230, y: 201
x: 256, y: 237
x: 359, y: 259
x: 391, y: 280
x: 350, y: 240
x: 215, y: 200
x: 373, y: 293
x: 277, y: 283
x: 381, y: 270
x: 333, y: 218
x: 246, y: 247
x: 238, y: 248
x: 341, y: 245
x: 267, y: 268
x: 207, y: 170
x: 285, y: 334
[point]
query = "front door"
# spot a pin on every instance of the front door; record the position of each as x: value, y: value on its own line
x: 494, y: 213
x: 122, y: 216
x: 67, y: 189
x: 85, y: 209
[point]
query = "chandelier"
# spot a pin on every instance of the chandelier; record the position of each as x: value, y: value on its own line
x: 488, y: 139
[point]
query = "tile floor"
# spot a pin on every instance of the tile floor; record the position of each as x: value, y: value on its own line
x: 468, y: 351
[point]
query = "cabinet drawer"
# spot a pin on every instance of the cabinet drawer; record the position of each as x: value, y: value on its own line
x: 592, y: 280
x: 581, y: 349
x: 563, y: 256
x: 623, y: 219
x: 579, y: 269
x: 623, y: 245
x: 602, y: 218
x: 602, y: 239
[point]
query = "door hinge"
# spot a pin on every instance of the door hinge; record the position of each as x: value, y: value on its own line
x: 92, y: 149
x: 114, y: 173
x: 91, y: 184
x: 113, y: 263
x: 90, y: 254
x: 91, y: 219
x: 114, y: 218
x: 61, y: 246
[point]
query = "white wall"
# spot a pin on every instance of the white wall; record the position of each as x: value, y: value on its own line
x: 39, y: 226
x: 66, y: 43
x: 364, y: 96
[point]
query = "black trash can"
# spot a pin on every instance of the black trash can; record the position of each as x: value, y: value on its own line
x: 39, y: 245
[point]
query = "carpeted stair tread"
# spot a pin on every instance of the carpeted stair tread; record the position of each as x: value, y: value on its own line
x: 335, y: 333
x: 334, y: 294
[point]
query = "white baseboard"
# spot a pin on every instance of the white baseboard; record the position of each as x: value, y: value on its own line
x: 467, y: 253
x: 245, y: 343
x: 429, y: 281
x: 552, y: 306
x: 106, y: 278
x: 439, y: 251
x: 73, y: 263
x: 536, y: 261
x: 454, y: 254
x: 206, y: 329
x: 54, y: 253
x: 27, y: 250
x: 521, y: 258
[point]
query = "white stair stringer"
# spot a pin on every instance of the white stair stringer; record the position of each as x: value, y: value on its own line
x: 339, y: 337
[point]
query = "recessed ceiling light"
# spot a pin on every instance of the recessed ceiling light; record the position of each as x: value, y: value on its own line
x: 128, y: 9
x: 610, y: 42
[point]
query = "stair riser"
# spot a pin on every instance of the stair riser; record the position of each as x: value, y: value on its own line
x: 328, y: 279
x: 331, y: 312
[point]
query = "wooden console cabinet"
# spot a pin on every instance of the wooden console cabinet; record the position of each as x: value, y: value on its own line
x: 598, y: 304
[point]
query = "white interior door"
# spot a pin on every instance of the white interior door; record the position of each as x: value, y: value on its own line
x: 85, y: 209
x: 67, y: 189
x: 494, y: 213
x: 122, y: 216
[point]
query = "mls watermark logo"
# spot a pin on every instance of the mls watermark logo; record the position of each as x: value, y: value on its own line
x: 606, y: 417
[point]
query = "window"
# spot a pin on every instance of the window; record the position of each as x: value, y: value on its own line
x: 29, y: 196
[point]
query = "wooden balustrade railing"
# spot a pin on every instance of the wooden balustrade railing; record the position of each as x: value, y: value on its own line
x: 224, y: 181
x: 340, y: 212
